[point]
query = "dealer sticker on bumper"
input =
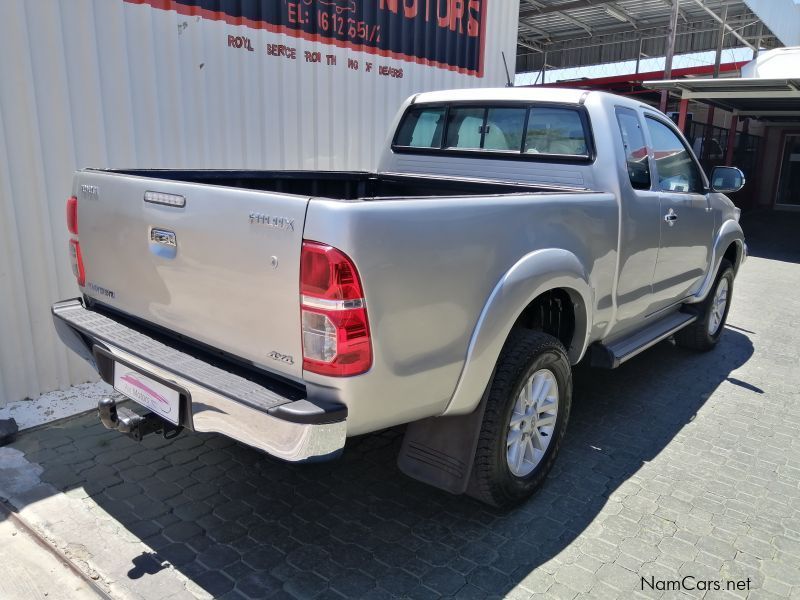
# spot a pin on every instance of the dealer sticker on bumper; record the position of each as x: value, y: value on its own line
x: 154, y: 396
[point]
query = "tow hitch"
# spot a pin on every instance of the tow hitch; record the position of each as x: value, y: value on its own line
x: 134, y: 426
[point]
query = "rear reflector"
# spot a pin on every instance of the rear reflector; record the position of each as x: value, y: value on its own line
x: 77, y: 262
x: 72, y: 215
x: 336, y: 337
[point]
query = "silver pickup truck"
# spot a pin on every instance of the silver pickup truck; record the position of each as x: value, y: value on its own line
x: 506, y: 236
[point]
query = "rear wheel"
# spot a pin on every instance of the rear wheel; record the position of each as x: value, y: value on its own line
x: 704, y: 333
x: 525, y: 419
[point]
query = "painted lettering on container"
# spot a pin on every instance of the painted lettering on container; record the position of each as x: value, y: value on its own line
x: 239, y: 41
x: 447, y: 34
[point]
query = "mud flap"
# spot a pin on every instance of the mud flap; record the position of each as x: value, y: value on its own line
x: 440, y: 451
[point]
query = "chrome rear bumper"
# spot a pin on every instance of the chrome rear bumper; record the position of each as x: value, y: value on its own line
x: 213, y: 399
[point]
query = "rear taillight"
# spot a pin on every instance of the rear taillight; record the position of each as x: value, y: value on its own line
x: 72, y: 215
x: 74, y: 245
x: 77, y: 262
x: 336, y: 339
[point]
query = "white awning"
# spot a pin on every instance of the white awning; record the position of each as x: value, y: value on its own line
x: 767, y: 99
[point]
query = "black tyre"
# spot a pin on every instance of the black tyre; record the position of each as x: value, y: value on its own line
x: 704, y: 333
x: 526, y: 416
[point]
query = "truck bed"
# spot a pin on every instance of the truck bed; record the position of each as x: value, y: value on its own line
x: 213, y: 256
x: 342, y: 185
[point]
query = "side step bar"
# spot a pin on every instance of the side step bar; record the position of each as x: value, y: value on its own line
x: 610, y: 356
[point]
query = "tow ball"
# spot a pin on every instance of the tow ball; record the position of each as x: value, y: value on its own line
x: 133, y: 425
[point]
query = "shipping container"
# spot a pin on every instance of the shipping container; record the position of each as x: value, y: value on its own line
x: 245, y: 84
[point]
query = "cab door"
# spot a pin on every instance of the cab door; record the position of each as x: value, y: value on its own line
x: 686, y: 219
x: 639, y: 222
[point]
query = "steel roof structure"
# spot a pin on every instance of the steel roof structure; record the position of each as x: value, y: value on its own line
x: 573, y: 33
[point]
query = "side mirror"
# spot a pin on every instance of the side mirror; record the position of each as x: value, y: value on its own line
x: 726, y: 180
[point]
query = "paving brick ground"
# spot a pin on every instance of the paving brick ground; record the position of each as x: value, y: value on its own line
x: 677, y: 464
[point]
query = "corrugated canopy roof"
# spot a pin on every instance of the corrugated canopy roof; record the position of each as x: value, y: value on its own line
x: 766, y: 99
x: 576, y: 33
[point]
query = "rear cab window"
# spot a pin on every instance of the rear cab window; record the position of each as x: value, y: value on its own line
x: 421, y: 128
x: 465, y: 128
x: 525, y: 131
x: 555, y: 131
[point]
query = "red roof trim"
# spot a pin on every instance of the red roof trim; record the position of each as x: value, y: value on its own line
x: 634, y: 78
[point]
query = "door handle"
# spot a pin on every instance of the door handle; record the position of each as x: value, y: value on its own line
x: 670, y: 217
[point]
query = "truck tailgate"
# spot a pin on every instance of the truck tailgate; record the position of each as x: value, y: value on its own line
x: 223, y: 269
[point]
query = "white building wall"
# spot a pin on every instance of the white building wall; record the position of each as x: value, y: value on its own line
x: 781, y: 16
x: 107, y: 83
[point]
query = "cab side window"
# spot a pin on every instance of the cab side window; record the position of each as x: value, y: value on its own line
x: 677, y: 171
x: 635, y: 147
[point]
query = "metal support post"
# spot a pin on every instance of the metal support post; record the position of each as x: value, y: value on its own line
x: 731, y: 140
x: 682, y: 110
x: 671, y: 33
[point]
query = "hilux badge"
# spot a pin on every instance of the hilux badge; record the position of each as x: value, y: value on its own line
x: 284, y: 223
